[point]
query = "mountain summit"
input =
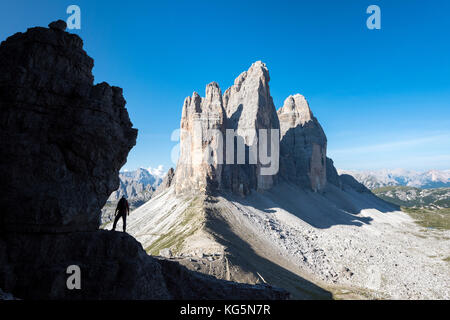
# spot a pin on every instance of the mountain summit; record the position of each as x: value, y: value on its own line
x: 231, y: 141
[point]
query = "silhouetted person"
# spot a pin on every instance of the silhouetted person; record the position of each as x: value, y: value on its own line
x: 122, y: 210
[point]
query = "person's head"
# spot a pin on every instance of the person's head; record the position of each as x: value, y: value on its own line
x: 123, y: 197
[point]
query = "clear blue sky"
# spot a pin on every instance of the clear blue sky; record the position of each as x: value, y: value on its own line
x: 382, y: 96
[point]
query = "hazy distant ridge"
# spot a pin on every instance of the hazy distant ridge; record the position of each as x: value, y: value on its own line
x: 400, y: 177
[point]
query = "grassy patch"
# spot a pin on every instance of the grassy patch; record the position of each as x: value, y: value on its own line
x: 447, y: 259
x: 430, y: 218
x: 192, y: 220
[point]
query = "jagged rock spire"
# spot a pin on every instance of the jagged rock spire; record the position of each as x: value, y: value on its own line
x: 201, y: 130
x: 244, y: 109
x: 303, y: 144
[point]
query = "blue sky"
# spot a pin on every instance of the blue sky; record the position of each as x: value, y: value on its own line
x: 382, y: 96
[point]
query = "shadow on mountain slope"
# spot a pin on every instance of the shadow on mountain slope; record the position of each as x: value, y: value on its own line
x: 250, y: 256
x: 321, y: 210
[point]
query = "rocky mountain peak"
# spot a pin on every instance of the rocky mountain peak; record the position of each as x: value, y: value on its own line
x: 295, y: 111
x: 303, y: 145
x: 246, y: 109
x: 202, y: 123
x: 63, y: 141
x: 74, y: 136
x: 250, y: 93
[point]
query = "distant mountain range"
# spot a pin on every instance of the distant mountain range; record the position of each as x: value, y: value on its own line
x: 415, y: 197
x: 137, y: 186
x: 400, y: 177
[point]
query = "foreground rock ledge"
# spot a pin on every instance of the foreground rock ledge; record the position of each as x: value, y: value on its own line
x: 63, y: 140
x: 113, y: 266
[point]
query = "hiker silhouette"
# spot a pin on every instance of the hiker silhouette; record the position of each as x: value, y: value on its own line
x: 122, y: 210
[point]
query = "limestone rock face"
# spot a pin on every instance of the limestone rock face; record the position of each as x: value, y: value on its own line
x: 166, y: 183
x: 60, y: 25
x: 349, y: 181
x: 113, y: 265
x: 249, y: 107
x: 303, y: 145
x: 62, y: 138
x: 199, y: 166
x: 332, y: 174
x: 221, y: 139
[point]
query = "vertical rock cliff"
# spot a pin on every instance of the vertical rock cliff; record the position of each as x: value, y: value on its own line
x: 199, y: 166
x: 220, y: 136
x: 303, y: 145
x: 63, y: 139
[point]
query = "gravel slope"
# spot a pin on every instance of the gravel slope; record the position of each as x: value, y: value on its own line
x: 381, y: 252
x: 348, y: 243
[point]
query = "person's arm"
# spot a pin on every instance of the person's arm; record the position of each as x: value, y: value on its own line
x: 128, y: 208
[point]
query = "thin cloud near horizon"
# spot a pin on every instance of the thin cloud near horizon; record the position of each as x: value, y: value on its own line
x: 395, y: 144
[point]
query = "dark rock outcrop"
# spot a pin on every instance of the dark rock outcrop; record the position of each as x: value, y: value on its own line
x: 166, y: 183
x: 205, y: 163
x: 63, y: 140
x: 137, y: 186
x: 249, y: 108
x: 199, y: 167
x: 303, y: 145
x: 113, y: 266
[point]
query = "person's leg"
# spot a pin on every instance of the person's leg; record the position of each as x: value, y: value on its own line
x: 115, y: 221
x: 124, y: 218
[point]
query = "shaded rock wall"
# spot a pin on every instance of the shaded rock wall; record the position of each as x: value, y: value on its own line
x: 332, y: 174
x: 62, y: 138
x: 113, y: 266
x: 244, y: 108
x: 166, y: 182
